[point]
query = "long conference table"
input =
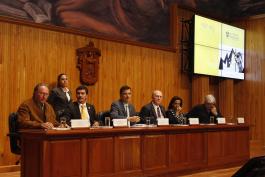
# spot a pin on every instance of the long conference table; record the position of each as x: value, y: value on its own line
x: 138, y: 152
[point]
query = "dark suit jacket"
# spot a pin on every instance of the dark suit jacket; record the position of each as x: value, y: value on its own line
x: 117, y: 110
x: 173, y: 118
x: 201, y: 112
x: 59, y: 101
x: 74, y: 112
x: 149, y: 111
x: 31, y: 116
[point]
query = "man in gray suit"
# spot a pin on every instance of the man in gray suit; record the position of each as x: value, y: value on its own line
x: 122, y: 108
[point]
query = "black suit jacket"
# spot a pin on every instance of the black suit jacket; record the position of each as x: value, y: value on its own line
x: 59, y: 101
x: 74, y: 112
x: 173, y: 118
x: 149, y: 111
x: 117, y: 110
x: 200, y: 111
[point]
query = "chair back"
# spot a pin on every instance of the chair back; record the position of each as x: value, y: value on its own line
x: 13, y: 134
x: 102, y: 115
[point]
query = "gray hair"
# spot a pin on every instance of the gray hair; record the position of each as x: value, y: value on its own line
x: 209, y: 99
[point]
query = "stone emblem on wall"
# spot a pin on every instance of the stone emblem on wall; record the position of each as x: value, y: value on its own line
x: 88, y: 63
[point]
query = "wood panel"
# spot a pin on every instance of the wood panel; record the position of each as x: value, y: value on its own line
x: 226, y: 97
x: 155, y: 152
x: 227, y: 147
x: 133, y: 152
x: 100, y: 155
x: 30, y: 147
x: 249, y: 94
x: 200, y: 88
x: 178, y: 151
x: 31, y: 55
x: 64, y: 161
x: 128, y: 147
x: 197, y: 154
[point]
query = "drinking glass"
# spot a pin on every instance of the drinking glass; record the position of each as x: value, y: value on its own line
x: 184, y: 120
x: 63, y: 122
x: 147, y: 120
x: 107, y: 121
x: 211, y: 119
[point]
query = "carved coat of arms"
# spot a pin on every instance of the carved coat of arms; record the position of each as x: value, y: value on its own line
x: 88, y: 63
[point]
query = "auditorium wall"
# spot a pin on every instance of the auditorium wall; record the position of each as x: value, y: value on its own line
x: 29, y: 55
x: 249, y: 95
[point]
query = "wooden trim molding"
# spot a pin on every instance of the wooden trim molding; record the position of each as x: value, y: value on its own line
x: 83, y: 33
x: 9, y: 168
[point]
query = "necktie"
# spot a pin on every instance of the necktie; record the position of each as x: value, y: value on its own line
x: 83, y: 112
x: 158, y: 111
x: 127, y: 110
x: 67, y: 96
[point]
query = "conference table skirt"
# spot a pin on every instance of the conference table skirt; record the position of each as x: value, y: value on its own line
x: 132, y: 151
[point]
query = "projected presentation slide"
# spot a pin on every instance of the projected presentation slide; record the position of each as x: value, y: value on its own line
x: 207, y: 32
x: 205, y: 60
x: 218, y: 49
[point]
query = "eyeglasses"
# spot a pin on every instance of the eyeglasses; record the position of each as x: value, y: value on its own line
x: 43, y: 94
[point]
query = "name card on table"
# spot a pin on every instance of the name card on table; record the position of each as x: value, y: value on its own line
x: 194, y: 121
x: 120, y: 122
x: 79, y: 123
x: 221, y: 120
x: 240, y: 120
x: 162, y: 121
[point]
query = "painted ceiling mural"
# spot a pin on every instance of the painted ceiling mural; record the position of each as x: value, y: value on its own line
x: 135, y: 20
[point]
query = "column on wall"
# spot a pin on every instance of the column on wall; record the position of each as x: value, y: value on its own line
x: 226, y: 97
x: 200, y: 88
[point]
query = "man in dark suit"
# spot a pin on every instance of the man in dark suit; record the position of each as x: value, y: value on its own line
x: 81, y: 109
x: 123, y: 109
x: 36, y: 112
x: 206, y: 110
x: 154, y: 109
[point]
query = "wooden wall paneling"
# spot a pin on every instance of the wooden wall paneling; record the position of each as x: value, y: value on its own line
x: 249, y: 94
x: 101, y: 156
x: 128, y: 153
x: 32, y: 148
x: 45, y: 149
x: 214, y: 87
x: 154, y: 152
x: 200, y: 88
x: 215, y: 148
x: 178, y: 151
x: 242, y: 143
x: 197, y: 150
x: 226, y: 97
x: 65, y: 163
x: 32, y: 55
x: 229, y: 147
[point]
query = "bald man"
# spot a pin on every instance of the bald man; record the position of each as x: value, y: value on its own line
x: 36, y: 112
x: 206, y: 110
x: 154, y: 109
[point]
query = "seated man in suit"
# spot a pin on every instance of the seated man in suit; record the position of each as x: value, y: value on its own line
x: 154, y: 109
x: 206, y: 110
x: 123, y: 109
x: 80, y: 109
x: 36, y: 112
